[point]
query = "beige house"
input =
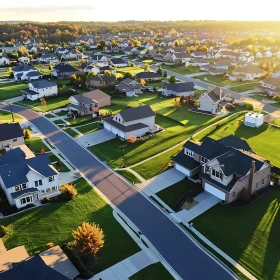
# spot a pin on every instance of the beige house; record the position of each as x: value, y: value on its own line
x: 11, y: 135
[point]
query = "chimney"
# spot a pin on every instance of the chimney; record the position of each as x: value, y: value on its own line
x: 251, y: 179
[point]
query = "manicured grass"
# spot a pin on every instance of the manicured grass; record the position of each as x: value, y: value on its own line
x: 71, y: 132
x: 147, y: 61
x: 52, y: 157
x: 245, y: 87
x: 263, y: 140
x: 49, y: 116
x: 11, y: 90
x: 88, y: 128
x: 277, y: 122
x: 62, y: 168
x: 59, y: 122
x: 155, y: 271
x: 158, y: 84
x: 172, y: 195
x: 44, y: 69
x: 6, y: 117
x: 173, y: 134
x: 156, y: 165
x: 55, y: 222
x: 129, y: 69
x: 249, y: 235
x: 181, y: 69
x: 35, y: 144
x: 80, y: 120
x: 129, y: 176
x: 62, y: 113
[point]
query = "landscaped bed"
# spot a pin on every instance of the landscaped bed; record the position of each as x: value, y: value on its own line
x: 129, y: 176
x: 250, y: 235
x: 55, y: 222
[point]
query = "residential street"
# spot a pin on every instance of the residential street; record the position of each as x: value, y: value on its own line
x: 178, y: 250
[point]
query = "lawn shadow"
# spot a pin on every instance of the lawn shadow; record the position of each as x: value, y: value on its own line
x: 246, y: 132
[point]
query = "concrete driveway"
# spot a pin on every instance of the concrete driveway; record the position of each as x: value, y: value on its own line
x: 96, y: 137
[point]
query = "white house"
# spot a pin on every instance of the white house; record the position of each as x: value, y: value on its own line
x: 72, y: 55
x: 98, y: 59
x: 25, y: 72
x: 259, y: 55
x: 130, y: 87
x: 91, y: 68
x: 4, y: 61
x: 24, y: 60
x: 62, y: 50
x: 27, y: 180
x: 135, y: 121
x: 253, y: 119
x: 11, y: 135
x: 41, y: 88
x: 48, y: 57
x: 268, y: 54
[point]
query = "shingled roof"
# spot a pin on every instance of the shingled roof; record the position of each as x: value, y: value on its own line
x: 10, y: 131
x: 137, y: 113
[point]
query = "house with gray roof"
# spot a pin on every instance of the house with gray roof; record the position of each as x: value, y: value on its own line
x: 130, y: 87
x: 135, y: 121
x: 11, y: 135
x: 27, y: 180
x: 48, y: 57
x: 270, y: 86
x: 39, y: 89
x: 25, y: 72
x: 148, y: 76
x: 228, y: 167
x: 117, y: 62
x: 63, y: 70
x: 179, y: 89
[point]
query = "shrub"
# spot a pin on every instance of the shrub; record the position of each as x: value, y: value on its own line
x: 45, y: 200
x: 26, y: 133
x: 68, y: 192
x: 3, y: 231
x: 50, y: 245
x: 248, y: 106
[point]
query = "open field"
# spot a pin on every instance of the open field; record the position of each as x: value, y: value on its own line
x: 55, y: 222
x: 6, y: 117
x: 250, y: 235
x: 181, y: 69
x: 11, y: 90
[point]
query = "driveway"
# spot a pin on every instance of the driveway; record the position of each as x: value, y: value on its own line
x: 205, y: 201
x: 161, y: 181
x: 96, y: 137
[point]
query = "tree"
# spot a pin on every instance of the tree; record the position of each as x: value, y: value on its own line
x: 43, y: 102
x: 88, y: 239
x: 108, y: 73
x: 3, y: 231
x: 277, y: 98
x: 68, y: 192
x: 248, y: 106
x: 62, y: 89
x: 172, y: 80
x: 159, y: 71
x: 147, y: 67
x: 131, y: 139
x: 26, y: 133
x: 91, y: 74
x: 128, y: 75
x: 165, y: 74
x: 142, y: 82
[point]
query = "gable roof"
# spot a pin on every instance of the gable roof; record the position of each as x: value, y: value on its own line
x: 249, y: 68
x: 117, y: 61
x: 90, y: 96
x: 23, y: 68
x: 215, y: 94
x: 235, y: 142
x: 10, y: 131
x: 181, y: 87
x: 64, y: 67
x: 147, y: 75
x: 137, y: 113
x: 275, y: 82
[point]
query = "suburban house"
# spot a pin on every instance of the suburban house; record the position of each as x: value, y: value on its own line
x: 98, y: 59
x: 148, y: 76
x: 259, y: 55
x: 130, y: 50
x: 27, y: 180
x: 90, y: 69
x: 130, y: 87
x: 98, y: 81
x: 179, y: 89
x: 275, y: 74
x: 4, y: 61
x: 228, y: 167
x: 112, y: 49
x: 271, y: 86
x: 213, y: 101
x: 253, y: 119
x: 197, y: 62
x: 180, y: 57
x: 89, y: 102
x: 63, y: 70
x: 25, y: 72
x: 117, y: 62
x: 230, y: 54
x: 107, y: 68
x: 136, y: 121
x: 41, y: 88
x: 62, y: 50
x: 48, y: 57
x: 11, y: 135
x: 246, y: 73
x: 267, y: 54
x: 23, y: 60
x: 198, y: 55
x: 72, y: 55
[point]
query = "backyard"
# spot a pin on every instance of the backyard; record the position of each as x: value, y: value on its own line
x: 250, y: 235
x: 55, y: 222
x: 180, y: 69
x: 11, y: 90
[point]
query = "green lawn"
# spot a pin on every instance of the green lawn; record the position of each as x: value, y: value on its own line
x: 174, y: 133
x: 11, y: 90
x: 44, y: 69
x: 71, y: 132
x: 88, y: 128
x: 129, y: 69
x: 62, y: 168
x: 62, y: 113
x: 6, y: 117
x: 35, y: 144
x: 263, y: 140
x: 129, y: 176
x: 246, y: 87
x: 49, y: 116
x: 181, y: 69
x: 55, y: 222
x: 59, y: 122
x: 155, y: 271
x: 53, y: 158
x: 249, y: 235
x: 156, y: 165
x: 277, y: 122
x: 172, y: 195
x: 80, y: 120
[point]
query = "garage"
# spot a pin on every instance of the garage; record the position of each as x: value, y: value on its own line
x: 107, y: 126
x: 117, y: 132
x: 215, y: 191
x: 182, y: 169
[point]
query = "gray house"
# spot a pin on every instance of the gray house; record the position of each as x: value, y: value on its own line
x: 11, y: 135
x: 130, y: 87
x: 179, y: 89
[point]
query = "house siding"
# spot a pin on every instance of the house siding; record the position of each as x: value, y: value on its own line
x: 19, y: 141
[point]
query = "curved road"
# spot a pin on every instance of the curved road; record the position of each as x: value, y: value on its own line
x: 179, y: 251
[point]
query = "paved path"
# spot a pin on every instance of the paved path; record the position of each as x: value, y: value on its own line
x: 15, y: 99
x: 96, y: 137
x: 182, y: 254
x: 126, y: 268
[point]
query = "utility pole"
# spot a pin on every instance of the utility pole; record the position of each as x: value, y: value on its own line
x: 123, y: 154
x: 12, y: 112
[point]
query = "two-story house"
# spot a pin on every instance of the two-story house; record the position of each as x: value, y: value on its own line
x: 27, y: 180
x: 246, y: 73
x: 228, y: 167
x: 25, y: 72
x: 100, y: 81
x: 98, y: 59
x: 148, y: 76
x: 11, y: 135
x: 179, y: 89
x: 72, y: 55
x: 48, y: 57
x: 63, y: 70
x: 136, y: 121
x: 88, y: 102
x: 130, y: 87
x: 4, y: 60
x: 41, y: 88
x: 271, y: 86
x: 23, y: 60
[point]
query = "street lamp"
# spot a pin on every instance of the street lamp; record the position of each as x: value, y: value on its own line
x: 12, y: 112
x: 123, y: 154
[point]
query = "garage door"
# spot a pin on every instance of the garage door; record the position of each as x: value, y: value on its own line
x: 215, y: 191
x: 116, y: 131
x: 182, y: 169
x: 107, y: 126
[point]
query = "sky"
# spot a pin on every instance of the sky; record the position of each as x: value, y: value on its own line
x: 112, y: 10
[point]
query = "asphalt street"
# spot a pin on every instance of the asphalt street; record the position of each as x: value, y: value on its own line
x: 179, y: 251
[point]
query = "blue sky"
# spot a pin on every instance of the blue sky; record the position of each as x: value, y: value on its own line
x: 112, y: 10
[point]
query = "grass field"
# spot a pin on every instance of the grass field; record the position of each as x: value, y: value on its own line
x: 49, y: 116
x: 263, y: 140
x: 181, y: 69
x: 156, y: 165
x: 6, y: 117
x: 249, y: 235
x: 71, y: 132
x: 129, y: 69
x: 35, y: 144
x: 85, y: 129
x: 246, y: 87
x: 44, y: 69
x: 172, y: 195
x: 155, y: 271
x: 80, y: 120
x: 174, y: 133
x: 55, y: 222
x: 11, y: 90
x: 129, y: 176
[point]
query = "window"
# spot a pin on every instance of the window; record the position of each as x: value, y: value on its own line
x: 53, y: 188
x: 48, y: 190
x: 23, y: 186
x: 51, y: 178
x: 17, y: 188
x: 38, y: 183
x: 262, y: 181
x: 207, y: 169
x: 189, y: 152
x: 217, y: 174
x: 22, y: 200
x: 233, y: 194
x: 203, y: 159
x: 28, y: 199
x: 42, y: 191
x: 15, y: 140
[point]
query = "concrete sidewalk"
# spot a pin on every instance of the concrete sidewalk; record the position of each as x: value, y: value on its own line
x: 126, y: 268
